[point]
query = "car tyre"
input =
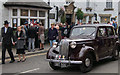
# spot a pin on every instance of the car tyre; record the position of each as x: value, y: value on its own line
x: 115, y: 55
x: 52, y: 65
x: 87, y: 64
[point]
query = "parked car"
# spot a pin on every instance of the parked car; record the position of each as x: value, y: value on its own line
x: 85, y: 45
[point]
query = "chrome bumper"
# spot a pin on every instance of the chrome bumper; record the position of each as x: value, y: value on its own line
x: 64, y: 61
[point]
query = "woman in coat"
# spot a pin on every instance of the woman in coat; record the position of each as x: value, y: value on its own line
x: 20, y: 44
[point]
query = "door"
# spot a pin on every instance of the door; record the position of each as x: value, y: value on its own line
x: 68, y: 18
x: 102, y: 42
x: 111, y: 39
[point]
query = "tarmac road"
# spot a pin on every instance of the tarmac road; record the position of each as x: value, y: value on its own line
x: 38, y: 64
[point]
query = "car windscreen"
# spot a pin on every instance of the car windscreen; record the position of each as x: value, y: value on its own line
x: 88, y: 31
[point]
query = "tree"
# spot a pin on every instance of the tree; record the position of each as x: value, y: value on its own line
x: 79, y: 14
x: 63, y: 18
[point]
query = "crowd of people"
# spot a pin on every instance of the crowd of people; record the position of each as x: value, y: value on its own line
x: 25, y: 37
x: 29, y: 36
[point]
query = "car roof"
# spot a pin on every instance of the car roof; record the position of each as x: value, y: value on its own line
x: 94, y: 25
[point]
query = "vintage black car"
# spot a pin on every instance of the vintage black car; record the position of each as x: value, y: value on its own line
x: 85, y: 45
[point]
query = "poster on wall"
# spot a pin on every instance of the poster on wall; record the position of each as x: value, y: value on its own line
x: 33, y: 21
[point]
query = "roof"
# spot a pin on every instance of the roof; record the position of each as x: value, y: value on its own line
x: 42, y: 5
x: 94, y: 25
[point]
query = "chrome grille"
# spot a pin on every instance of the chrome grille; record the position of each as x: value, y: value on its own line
x: 64, y: 48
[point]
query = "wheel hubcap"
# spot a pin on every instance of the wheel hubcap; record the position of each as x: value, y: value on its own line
x: 87, y: 62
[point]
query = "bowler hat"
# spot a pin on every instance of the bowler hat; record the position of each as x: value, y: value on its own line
x: 6, y: 22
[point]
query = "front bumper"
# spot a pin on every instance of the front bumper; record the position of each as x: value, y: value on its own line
x: 64, y: 61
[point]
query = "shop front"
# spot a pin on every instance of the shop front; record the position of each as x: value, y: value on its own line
x: 30, y: 12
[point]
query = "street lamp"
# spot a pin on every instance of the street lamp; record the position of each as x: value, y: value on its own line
x: 48, y: 14
x: 56, y: 13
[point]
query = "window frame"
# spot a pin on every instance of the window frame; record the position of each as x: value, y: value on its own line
x: 112, y: 32
x: 109, y: 4
x: 98, y: 31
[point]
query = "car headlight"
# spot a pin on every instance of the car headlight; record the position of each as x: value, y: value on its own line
x: 55, y: 44
x: 73, y: 45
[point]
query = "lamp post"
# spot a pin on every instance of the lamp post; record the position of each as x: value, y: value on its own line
x: 56, y: 13
x: 48, y: 14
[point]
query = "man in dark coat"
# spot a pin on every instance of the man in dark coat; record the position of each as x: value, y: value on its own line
x: 7, y: 35
x: 31, y: 37
x: 52, y: 34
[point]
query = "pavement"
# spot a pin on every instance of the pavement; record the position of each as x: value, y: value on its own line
x: 46, y: 47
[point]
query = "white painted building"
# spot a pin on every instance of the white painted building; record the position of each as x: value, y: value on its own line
x: 19, y: 11
x: 106, y: 10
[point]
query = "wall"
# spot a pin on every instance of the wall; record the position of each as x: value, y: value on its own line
x: 119, y: 13
x: 98, y: 7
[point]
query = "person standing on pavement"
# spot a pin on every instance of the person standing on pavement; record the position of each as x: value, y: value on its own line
x: 20, y: 44
x: 36, y: 37
x: 7, y: 36
x: 52, y: 34
x: 41, y: 36
x: 31, y: 38
x: 26, y: 26
x: 115, y: 26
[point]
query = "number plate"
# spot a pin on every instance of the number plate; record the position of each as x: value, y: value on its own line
x: 63, y: 65
x: 57, y: 64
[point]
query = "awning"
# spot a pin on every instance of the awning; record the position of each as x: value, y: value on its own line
x: 41, y: 5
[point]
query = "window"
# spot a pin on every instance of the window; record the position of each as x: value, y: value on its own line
x: 109, y: 4
x: 101, y: 32
x: 110, y: 31
x: 24, y: 12
x: 83, y: 31
x: 33, y: 13
x: 69, y: 1
x: 14, y: 12
x: 22, y: 21
x: 14, y: 22
x: 52, y: 15
x: 41, y: 13
x: 88, y: 3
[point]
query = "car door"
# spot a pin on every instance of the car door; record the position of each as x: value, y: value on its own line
x: 102, y: 42
x: 111, y: 39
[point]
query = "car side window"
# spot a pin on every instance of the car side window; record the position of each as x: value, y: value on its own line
x: 110, y: 31
x: 101, y: 32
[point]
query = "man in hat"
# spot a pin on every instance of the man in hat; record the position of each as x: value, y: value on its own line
x: 7, y: 35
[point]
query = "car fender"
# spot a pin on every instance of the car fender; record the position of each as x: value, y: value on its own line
x: 84, y: 50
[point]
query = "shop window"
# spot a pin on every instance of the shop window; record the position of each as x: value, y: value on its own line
x: 22, y: 21
x: 42, y: 21
x: 24, y: 12
x: 52, y: 16
x: 14, y: 12
x: 33, y: 13
x: 33, y: 21
x: 41, y: 13
x: 105, y: 19
x: 14, y: 22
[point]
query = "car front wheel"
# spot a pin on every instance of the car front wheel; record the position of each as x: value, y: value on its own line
x: 87, y: 64
x: 52, y: 65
